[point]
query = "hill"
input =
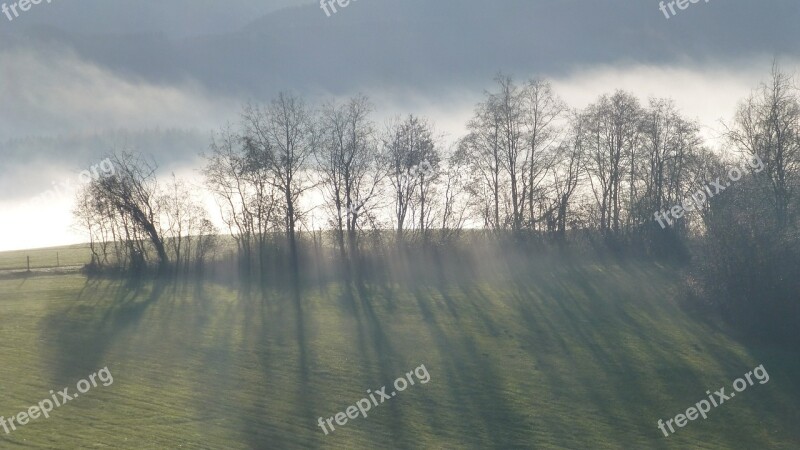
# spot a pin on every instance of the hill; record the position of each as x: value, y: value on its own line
x: 559, y: 355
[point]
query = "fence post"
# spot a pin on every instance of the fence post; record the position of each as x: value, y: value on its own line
x: 29, y: 263
x: 58, y: 261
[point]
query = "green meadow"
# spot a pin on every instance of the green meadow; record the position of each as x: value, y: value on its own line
x: 556, y: 355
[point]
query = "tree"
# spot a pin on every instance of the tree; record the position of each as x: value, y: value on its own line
x: 481, y: 150
x: 543, y: 109
x: 508, y: 105
x: 128, y: 203
x: 280, y: 139
x: 612, y: 127
x: 244, y: 192
x: 669, y: 145
x: 189, y: 233
x: 410, y: 156
x: 767, y: 125
x: 348, y: 166
x: 455, y: 200
x: 567, y: 172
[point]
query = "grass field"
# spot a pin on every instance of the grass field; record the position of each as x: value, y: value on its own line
x: 576, y: 355
x: 46, y: 258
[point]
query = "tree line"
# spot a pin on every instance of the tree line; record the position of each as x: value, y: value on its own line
x: 528, y: 167
x: 528, y: 163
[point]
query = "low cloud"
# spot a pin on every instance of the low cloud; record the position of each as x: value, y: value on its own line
x: 55, y: 92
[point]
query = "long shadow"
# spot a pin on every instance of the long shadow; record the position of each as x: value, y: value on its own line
x: 567, y: 315
x: 304, y: 394
x: 275, y: 326
x: 471, y: 380
x: 227, y: 337
x: 375, y: 348
x: 79, y: 336
x: 258, y: 329
x: 618, y: 345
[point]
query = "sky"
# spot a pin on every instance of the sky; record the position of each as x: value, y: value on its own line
x: 81, y: 78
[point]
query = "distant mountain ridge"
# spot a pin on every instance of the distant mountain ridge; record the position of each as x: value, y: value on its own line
x: 426, y: 45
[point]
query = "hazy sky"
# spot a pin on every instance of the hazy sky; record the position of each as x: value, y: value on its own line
x: 79, y: 78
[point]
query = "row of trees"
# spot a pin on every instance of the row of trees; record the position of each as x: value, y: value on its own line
x: 130, y: 218
x: 336, y: 159
x: 528, y: 164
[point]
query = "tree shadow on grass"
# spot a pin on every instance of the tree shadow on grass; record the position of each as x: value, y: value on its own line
x: 278, y: 324
x: 275, y: 328
x: 473, y: 384
x: 624, y: 354
x: 376, y: 350
x: 78, y: 337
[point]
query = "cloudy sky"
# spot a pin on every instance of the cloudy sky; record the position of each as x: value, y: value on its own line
x: 80, y: 78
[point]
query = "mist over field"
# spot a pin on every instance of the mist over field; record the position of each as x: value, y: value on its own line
x: 399, y: 224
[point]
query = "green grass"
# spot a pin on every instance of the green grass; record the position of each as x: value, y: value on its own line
x: 566, y: 356
x: 45, y: 258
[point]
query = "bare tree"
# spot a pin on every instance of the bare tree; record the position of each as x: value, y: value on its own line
x: 128, y: 203
x: 612, y: 128
x: 567, y: 172
x: 543, y: 109
x: 281, y: 138
x: 669, y: 142
x: 455, y: 199
x: 227, y: 177
x: 509, y: 106
x: 348, y: 166
x: 409, y: 154
x: 481, y: 149
x: 767, y: 125
x: 188, y: 230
